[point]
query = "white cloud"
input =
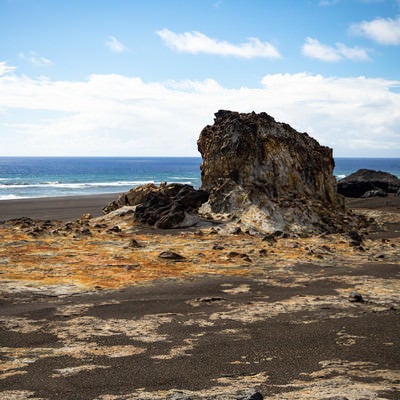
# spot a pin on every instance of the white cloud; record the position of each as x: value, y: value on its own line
x: 120, y: 115
x: 196, y: 43
x: 35, y: 59
x: 383, y: 31
x: 312, y: 48
x: 115, y: 45
x: 5, y: 69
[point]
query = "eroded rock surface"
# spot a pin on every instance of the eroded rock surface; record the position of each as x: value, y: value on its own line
x: 164, y: 206
x: 368, y: 183
x: 268, y: 175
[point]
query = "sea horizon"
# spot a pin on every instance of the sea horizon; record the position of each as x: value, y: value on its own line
x: 58, y: 176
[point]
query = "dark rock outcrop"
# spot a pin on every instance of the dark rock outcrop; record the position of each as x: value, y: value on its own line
x: 134, y: 197
x: 171, y: 206
x: 367, y: 183
x: 268, y: 175
x: 165, y: 206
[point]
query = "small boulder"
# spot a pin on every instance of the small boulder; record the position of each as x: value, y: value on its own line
x: 356, y: 238
x: 356, y: 297
x: 251, y: 395
x: 170, y: 255
x: 335, y: 398
x: 134, y: 244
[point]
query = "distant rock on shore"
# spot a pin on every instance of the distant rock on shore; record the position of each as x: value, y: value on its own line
x: 368, y: 183
x: 268, y: 175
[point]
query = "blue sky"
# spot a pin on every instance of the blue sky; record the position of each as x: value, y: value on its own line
x: 144, y: 77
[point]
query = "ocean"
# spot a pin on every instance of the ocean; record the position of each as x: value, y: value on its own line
x: 32, y: 177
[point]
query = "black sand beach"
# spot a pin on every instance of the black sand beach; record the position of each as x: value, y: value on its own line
x: 207, y: 338
x: 58, y: 208
x: 312, y: 319
x: 73, y: 207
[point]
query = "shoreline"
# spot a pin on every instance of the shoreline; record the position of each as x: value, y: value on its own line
x: 67, y: 208
x: 63, y: 208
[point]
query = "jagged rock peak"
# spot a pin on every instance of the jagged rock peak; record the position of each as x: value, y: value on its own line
x: 267, y: 173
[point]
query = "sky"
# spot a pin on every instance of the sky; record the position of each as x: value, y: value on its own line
x: 143, y: 78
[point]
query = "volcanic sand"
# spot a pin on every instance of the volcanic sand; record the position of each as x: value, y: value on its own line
x: 85, y: 313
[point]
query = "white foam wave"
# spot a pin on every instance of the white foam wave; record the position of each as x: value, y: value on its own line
x: 81, y: 185
x: 180, y: 177
x: 10, y: 197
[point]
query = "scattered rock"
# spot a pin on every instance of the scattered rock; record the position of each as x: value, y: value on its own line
x: 210, y: 299
x: 356, y: 297
x: 35, y: 228
x: 381, y: 256
x: 269, y: 238
x: 132, y: 267
x: 170, y: 255
x: 366, y: 182
x: 100, y: 226
x: 114, y: 229
x: 84, y: 232
x: 356, y: 238
x: 178, y: 396
x: 134, y: 244
x: 251, y: 396
x: 244, y: 256
x: 237, y: 231
x: 86, y: 217
x: 204, y: 300
x: 268, y: 175
x: 335, y: 398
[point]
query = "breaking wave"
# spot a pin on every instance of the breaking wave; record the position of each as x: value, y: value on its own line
x: 79, y: 185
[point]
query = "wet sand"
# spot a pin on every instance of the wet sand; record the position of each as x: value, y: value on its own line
x: 58, y: 208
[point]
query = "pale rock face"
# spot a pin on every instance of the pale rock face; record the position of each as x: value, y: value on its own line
x: 268, y: 175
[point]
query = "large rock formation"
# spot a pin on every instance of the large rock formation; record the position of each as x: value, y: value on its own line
x: 268, y: 175
x: 367, y: 182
